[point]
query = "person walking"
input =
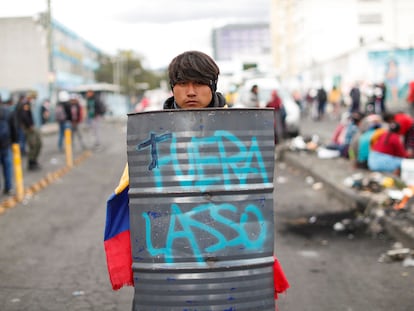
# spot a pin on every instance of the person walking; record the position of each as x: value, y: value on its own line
x: 32, y: 134
x: 8, y: 135
x: 45, y: 112
x: 95, y: 111
x: 193, y: 77
x: 334, y: 99
x: 275, y: 102
x: 76, y: 119
x: 62, y: 113
x: 355, y: 95
x: 321, y: 98
x: 17, y: 112
x: 254, y: 97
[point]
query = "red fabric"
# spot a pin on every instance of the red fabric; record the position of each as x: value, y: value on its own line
x: 405, y: 121
x: 275, y: 101
x: 280, y: 281
x: 119, y: 260
x: 337, y: 137
x: 390, y: 143
x: 410, y: 96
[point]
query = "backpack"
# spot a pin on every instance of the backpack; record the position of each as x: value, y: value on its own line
x: 60, y: 114
x: 4, y: 127
x: 100, y: 108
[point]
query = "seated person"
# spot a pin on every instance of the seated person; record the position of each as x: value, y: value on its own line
x: 406, y: 123
x: 338, y: 136
x: 364, y: 145
x: 350, y: 129
x: 361, y: 142
x: 388, y: 151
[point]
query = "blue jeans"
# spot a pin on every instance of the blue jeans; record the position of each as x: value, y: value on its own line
x: 382, y: 162
x: 6, y: 162
x: 62, y: 127
x: 22, y: 140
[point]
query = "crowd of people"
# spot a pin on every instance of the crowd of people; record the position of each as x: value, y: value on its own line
x: 70, y: 113
x: 374, y: 138
x: 319, y: 103
x: 18, y: 126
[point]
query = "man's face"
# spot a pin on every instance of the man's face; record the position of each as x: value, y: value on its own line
x: 190, y: 95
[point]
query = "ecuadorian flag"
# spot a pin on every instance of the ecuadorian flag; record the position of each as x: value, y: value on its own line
x: 117, y: 237
x: 118, y: 244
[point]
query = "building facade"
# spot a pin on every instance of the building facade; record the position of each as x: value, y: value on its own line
x: 26, y: 63
x: 243, y: 45
x: 324, y: 41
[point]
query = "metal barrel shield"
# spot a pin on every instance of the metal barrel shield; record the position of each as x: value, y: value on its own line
x: 201, y: 209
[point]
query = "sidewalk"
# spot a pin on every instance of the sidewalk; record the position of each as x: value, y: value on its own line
x: 375, y: 207
x: 54, y: 164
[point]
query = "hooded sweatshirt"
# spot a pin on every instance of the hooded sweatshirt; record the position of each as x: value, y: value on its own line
x: 218, y: 101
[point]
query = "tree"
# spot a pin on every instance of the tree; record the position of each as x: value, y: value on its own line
x: 126, y: 69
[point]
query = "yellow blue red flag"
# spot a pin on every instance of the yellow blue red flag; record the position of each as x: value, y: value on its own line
x: 117, y: 241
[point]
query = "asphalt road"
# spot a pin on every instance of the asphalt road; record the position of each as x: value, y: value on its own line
x: 52, y: 255
x: 331, y: 270
x: 327, y: 269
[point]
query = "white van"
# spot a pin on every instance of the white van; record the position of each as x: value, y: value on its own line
x: 265, y: 87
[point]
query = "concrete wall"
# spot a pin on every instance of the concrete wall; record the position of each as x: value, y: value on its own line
x: 23, y: 54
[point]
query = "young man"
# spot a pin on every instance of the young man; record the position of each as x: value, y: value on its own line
x: 193, y: 79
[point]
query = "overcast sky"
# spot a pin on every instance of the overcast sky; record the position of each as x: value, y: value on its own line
x: 157, y: 29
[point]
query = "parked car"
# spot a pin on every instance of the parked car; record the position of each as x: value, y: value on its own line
x: 266, y: 86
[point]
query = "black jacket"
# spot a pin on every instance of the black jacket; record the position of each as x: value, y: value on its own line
x: 218, y: 101
x: 9, y: 134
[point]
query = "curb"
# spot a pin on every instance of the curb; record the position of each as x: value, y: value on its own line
x: 401, y: 229
x: 347, y: 196
x: 50, y: 177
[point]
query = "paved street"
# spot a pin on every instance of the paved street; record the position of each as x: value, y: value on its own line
x: 52, y: 255
x: 331, y: 270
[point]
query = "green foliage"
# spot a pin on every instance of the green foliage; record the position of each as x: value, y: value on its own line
x: 126, y: 69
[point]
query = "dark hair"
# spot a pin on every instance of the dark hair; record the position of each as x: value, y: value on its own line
x: 356, y: 117
x: 388, y: 117
x: 393, y: 127
x: 193, y: 66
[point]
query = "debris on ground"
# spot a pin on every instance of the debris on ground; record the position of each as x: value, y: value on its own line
x: 398, y: 253
x: 389, y: 198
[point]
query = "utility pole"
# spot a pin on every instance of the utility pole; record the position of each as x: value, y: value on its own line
x: 51, y: 74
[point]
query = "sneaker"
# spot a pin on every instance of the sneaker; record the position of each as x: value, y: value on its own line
x: 34, y: 166
x: 7, y: 192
